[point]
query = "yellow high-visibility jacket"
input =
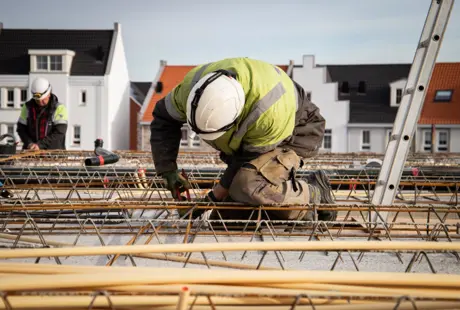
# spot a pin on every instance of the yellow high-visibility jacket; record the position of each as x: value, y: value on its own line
x: 274, y: 111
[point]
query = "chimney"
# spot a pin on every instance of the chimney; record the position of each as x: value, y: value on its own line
x: 290, y: 70
x: 117, y: 26
x: 163, y: 63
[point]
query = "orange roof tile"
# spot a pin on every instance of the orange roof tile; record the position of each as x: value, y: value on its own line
x: 445, y: 76
x: 170, y: 77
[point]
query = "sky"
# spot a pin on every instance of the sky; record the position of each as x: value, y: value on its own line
x: 191, y: 32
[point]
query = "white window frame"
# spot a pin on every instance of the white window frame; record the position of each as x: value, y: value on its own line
x: 76, y: 141
x: 22, y: 102
x: 445, y: 147
x: 365, y: 146
x: 184, y: 141
x: 4, y: 130
x: 54, y: 60
x: 327, y: 135
x: 8, y: 126
x: 9, y: 104
x: 191, y: 139
x: 437, y: 146
x: 195, y: 140
x: 37, y: 62
x: 426, y: 147
x: 48, y: 63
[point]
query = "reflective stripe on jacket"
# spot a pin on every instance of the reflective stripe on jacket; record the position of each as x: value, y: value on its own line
x: 268, y: 116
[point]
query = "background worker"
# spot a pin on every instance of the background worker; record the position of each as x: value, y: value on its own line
x: 261, y: 122
x: 42, y: 124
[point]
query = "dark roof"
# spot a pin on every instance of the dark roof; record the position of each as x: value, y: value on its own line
x: 88, y: 45
x: 139, y: 90
x: 374, y: 105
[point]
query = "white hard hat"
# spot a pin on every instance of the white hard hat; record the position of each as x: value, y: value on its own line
x: 40, y: 88
x: 214, y: 104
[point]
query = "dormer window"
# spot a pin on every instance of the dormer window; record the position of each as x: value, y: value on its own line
x: 49, y: 63
x: 443, y: 95
x: 397, y: 92
x: 51, y: 60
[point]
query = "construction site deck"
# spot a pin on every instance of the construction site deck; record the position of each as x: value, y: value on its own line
x: 62, y: 213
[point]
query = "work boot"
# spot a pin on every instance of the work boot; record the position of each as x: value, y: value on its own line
x: 319, y: 180
x: 315, y: 199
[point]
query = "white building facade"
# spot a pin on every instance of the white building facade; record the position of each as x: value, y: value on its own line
x: 88, y: 74
x: 324, y: 94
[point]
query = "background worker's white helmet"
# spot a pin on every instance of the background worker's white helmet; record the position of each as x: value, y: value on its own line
x: 40, y: 88
x: 214, y: 104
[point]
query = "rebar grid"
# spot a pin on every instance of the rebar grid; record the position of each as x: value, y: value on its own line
x: 98, y: 223
x: 58, y: 202
x: 107, y: 183
x: 69, y: 158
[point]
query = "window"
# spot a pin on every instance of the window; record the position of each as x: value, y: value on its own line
x: 56, y: 63
x: 83, y: 97
x: 23, y: 96
x: 443, y: 95
x: 443, y: 141
x: 189, y: 138
x: 49, y: 63
x: 196, y: 140
x: 327, y: 140
x: 184, y: 138
x: 366, y: 140
x: 76, y: 135
x: 398, y: 95
x: 42, y: 62
x: 309, y: 96
x: 10, y: 130
x: 427, y: 140
x: 10, y: 98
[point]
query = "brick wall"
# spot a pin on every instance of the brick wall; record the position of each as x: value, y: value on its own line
x: 134, y: 110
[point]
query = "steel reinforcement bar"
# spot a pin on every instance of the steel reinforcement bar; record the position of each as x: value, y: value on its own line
x: 100, y: 222
x: 31, y: 286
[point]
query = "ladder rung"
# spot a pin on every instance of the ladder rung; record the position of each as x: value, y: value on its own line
x: 409, y: 91
x: 424, y: 44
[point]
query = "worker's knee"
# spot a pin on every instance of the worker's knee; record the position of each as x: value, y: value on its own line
x: 263, y: 180
x: 246, y: 186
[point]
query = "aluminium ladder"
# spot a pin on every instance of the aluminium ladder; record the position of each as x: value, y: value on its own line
x: 411, y: 105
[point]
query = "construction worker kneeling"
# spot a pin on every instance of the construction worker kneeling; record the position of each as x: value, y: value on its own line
x: 262, y: 123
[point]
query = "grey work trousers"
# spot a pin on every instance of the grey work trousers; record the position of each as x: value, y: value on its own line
x: 268, y: 180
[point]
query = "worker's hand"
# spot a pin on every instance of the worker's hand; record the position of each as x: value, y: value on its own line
x: 175, y: 181
x: 33, y: 146
x: 219, y: 193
